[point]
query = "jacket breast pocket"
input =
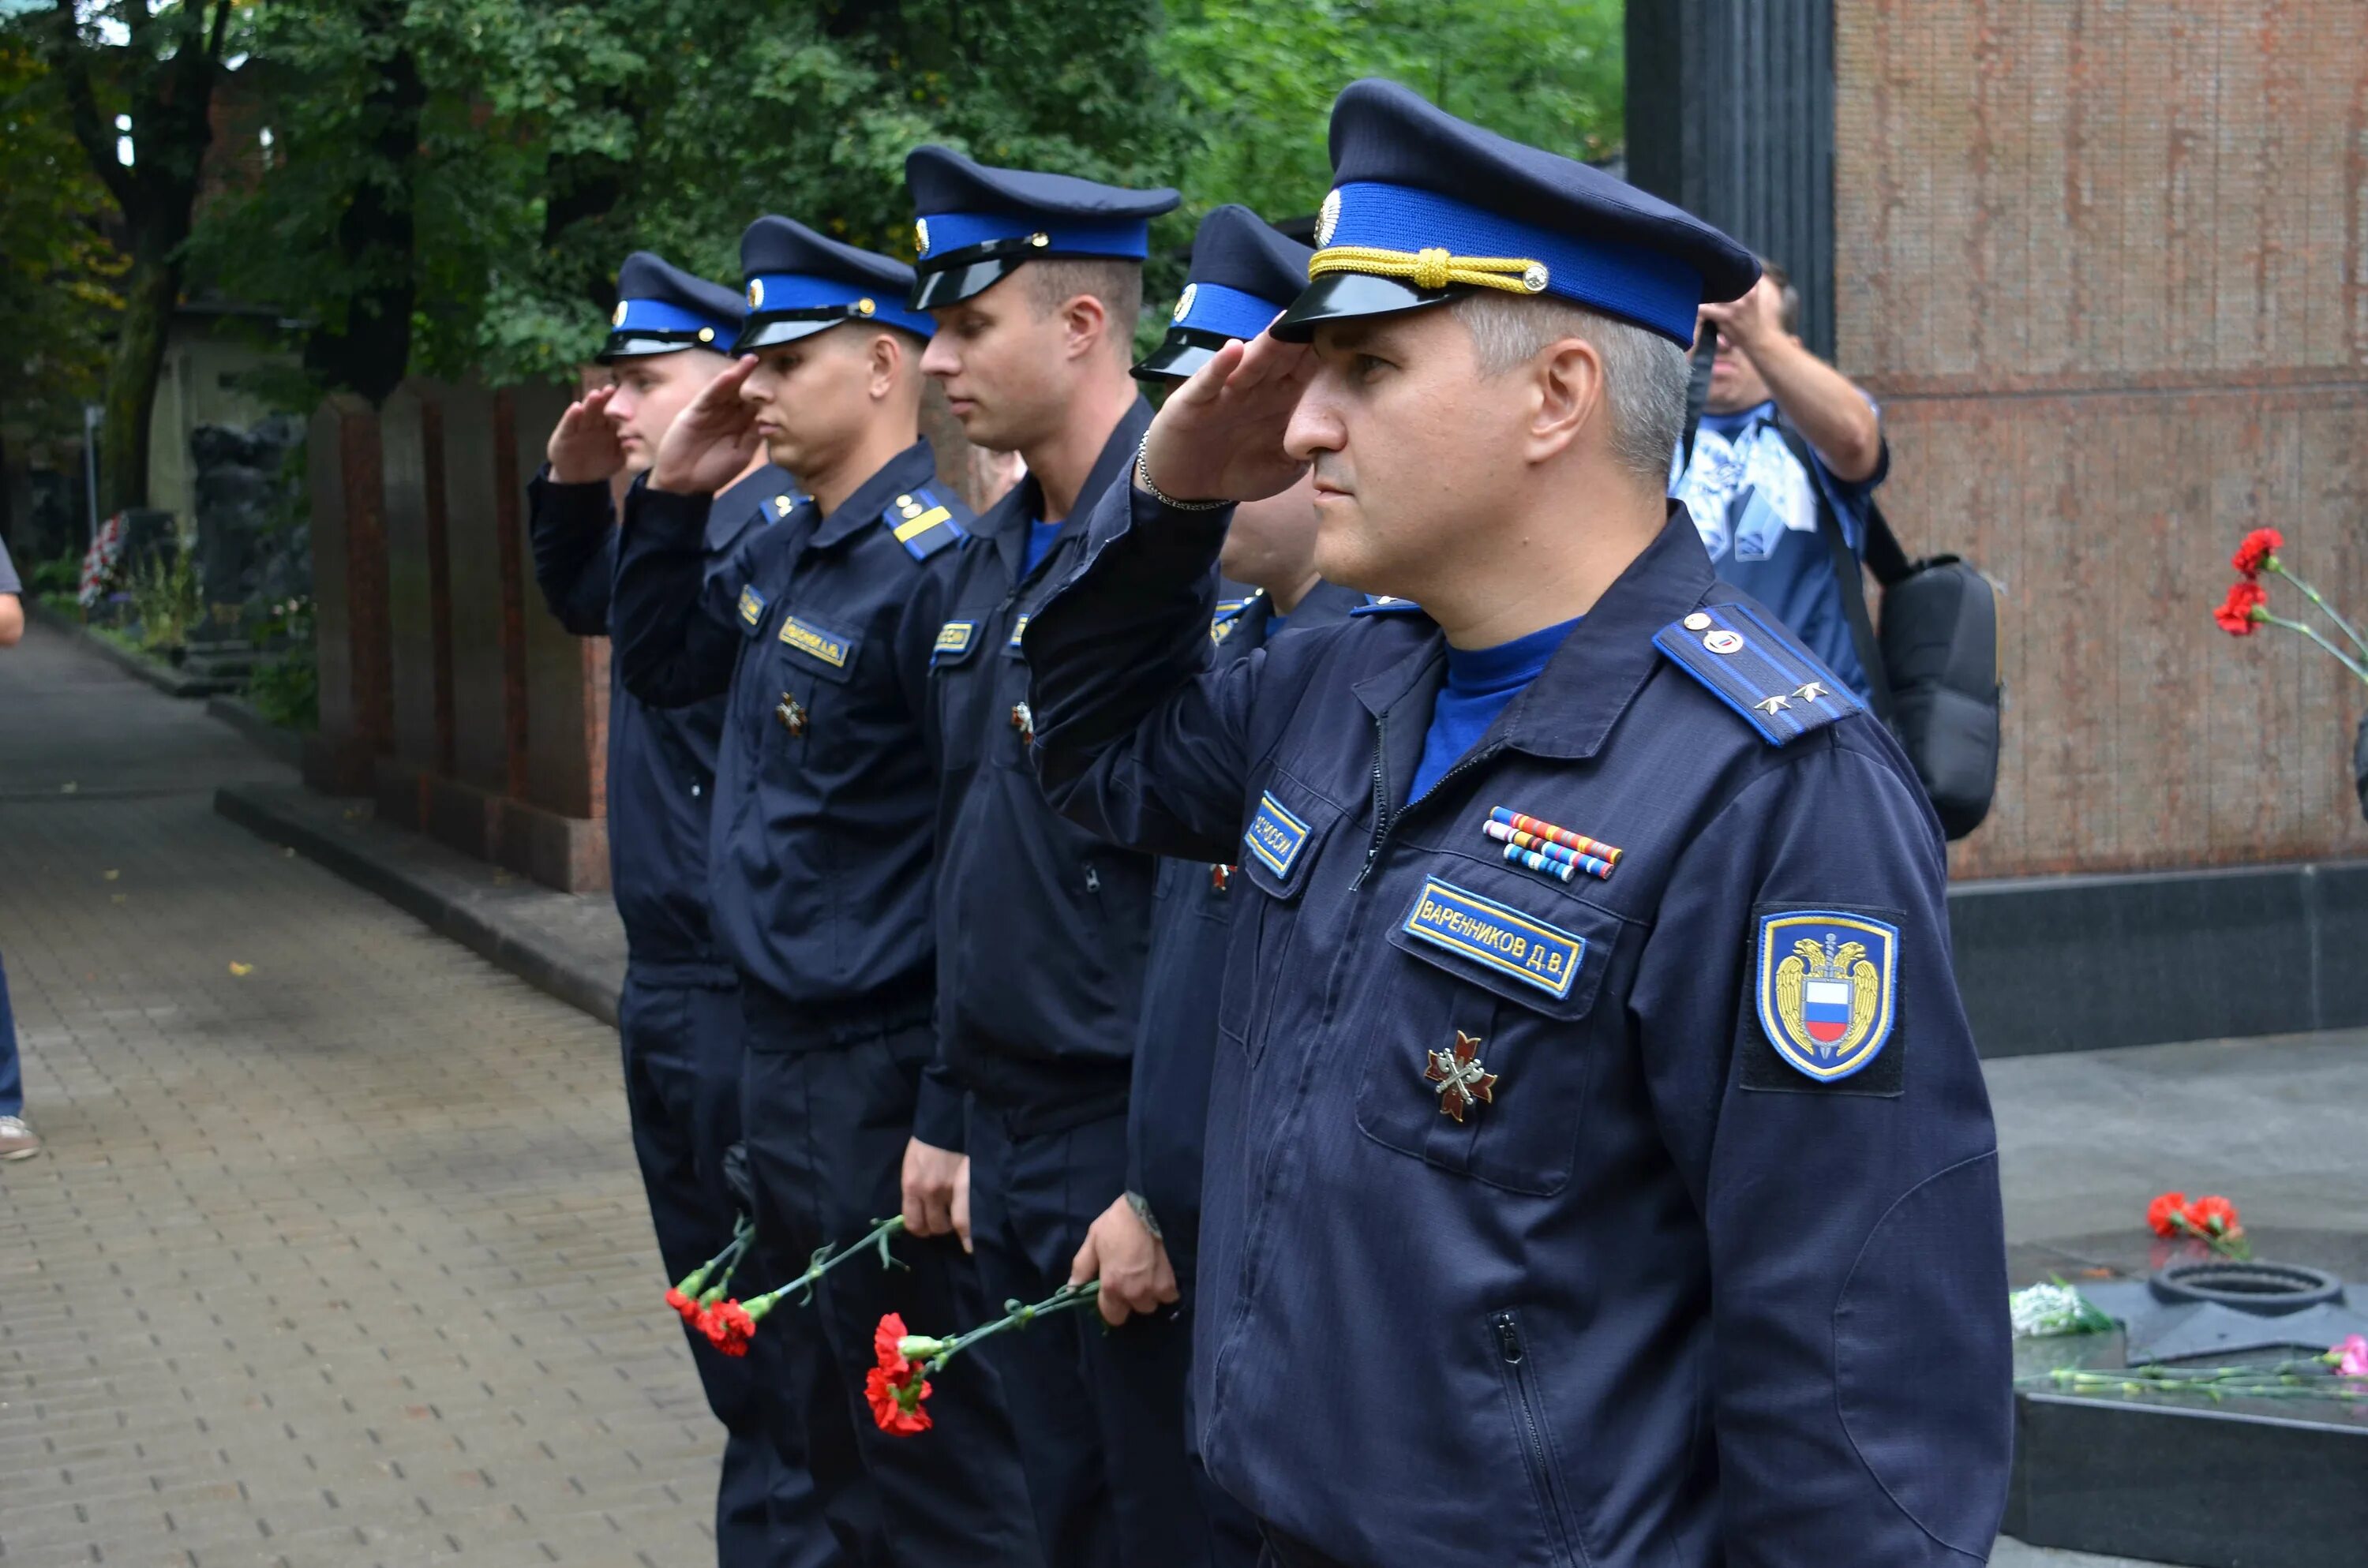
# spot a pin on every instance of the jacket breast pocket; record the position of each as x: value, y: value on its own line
x: 1288, y: 828
x: 1482, y: 1047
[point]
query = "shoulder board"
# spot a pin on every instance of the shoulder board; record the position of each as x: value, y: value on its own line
x: 1759, y: 670
x: 1382, y: 603
x: 781, y: 506
x: 923, y: 524
x: 1229, y: 614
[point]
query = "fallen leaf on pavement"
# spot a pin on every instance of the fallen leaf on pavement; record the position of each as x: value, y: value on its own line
x: 238, y: 968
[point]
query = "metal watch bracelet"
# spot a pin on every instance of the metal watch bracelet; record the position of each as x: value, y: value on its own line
x: 1143, y: 481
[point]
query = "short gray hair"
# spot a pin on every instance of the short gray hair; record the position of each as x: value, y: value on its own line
x: 1645, y: 374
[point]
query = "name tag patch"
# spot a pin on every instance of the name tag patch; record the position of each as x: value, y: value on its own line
x: 955, y: 637
x: 1275, y: 836
x: 1501, y: 938
x: 752, y: 606
x: 1019, y: 630
x: 810, y: 639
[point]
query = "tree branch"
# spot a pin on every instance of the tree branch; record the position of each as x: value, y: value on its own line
x: 97, y: 138
x: 221, y: 26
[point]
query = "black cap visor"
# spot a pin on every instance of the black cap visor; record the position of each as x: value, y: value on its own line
x: 1339, y: 296
x: 638, y: 344
x: 935, y: 289
x: 771, y: 330
x: 1182, y: 352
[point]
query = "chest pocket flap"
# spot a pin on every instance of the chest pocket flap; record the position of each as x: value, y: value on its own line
x: 750, y: 609
x: 813, y: 646
x: 957, y: 641
x: 1545, y: 952
x: 1288, y: 824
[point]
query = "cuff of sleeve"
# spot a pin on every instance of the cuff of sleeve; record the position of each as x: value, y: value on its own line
x: 937, y: 1112
x: 664, y: 517
x: 582, y: 504
x: 1186, y: 533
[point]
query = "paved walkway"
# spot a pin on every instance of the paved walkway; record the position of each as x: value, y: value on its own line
x: 336, y: 1256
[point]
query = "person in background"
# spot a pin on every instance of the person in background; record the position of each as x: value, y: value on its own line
x: 17, y: 1139
x: 1783, y: 433
x: 791, y: 1493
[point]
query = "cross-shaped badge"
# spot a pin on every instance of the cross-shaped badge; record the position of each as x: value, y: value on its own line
x: 1221, y: 877
x: 791, y: 714
x: 1460, y: 1077
x: 1025, y: 723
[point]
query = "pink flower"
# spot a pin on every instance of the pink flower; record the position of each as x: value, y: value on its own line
x: 2350, y: 1358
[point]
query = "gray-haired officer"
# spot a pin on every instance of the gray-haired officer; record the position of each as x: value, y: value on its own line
x: 1035, y: 281
x: 819, y: 630
x: 679, y: 1015
x: 1600, y: 1167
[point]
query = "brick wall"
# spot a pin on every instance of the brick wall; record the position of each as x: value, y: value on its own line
x: 2105, y: 262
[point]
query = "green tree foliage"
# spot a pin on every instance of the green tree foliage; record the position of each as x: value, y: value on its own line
x: 452, y: 183
x: 1257, y: 81
x: 58, y: 267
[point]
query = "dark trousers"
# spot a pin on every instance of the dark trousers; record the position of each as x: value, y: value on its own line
x: 827, y: 1135
x: 12, y: 1082
x: 791, y: 1493
x: 1101, y: 1411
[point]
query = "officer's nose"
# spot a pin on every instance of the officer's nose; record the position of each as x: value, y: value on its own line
x: 939, y: 358
x: 1315, y: 423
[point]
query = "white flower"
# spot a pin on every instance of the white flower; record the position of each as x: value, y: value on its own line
x: 2040, y: 1311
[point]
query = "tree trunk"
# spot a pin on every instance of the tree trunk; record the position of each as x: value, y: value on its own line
x: 150, y: 290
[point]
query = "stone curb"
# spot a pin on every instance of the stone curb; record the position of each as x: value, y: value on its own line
x: 283, y: 745
x: 163, y: 677
x: 452, y: 901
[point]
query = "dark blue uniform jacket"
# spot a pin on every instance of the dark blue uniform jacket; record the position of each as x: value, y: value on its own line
x: 661, y: 759
x: 1041, y: 927
x: 1662, y: 1299
x: 821, y: 845
x: 1191, y: 905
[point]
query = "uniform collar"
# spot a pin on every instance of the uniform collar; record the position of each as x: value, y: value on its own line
x: 1006, y: 523
x: 748, y: 500
x: 916, y: 465
x: 1593, y: 676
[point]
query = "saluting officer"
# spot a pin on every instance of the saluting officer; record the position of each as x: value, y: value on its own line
x: 679, y: 1015
x: 1035, y: 281
x: 1600, y: 1167
x: 819, y: 631
x: 1244, y: 274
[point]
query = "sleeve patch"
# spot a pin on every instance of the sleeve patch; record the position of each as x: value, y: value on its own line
x: 1826, y: 983
x: 923, y: 524
x: 1777, y: 686
x: 752, y: 607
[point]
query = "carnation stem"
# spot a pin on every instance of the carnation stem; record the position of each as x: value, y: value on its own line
x: 2312, y: 633
x: 2312, y: 595
x: 1015, y: 1316
x: 695, y: 1283
x: 824, y: 1260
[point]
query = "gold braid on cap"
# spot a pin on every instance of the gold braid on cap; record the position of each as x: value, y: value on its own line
x: 1431, y: 268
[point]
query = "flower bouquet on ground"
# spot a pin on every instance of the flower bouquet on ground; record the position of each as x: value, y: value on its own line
x: 2340, y: 1374
x: 2212, y: 1221
x: 2247, y: 605
x: 901, y: 1382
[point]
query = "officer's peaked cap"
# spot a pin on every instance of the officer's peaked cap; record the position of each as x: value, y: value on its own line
x: 661, y: 309
x: 1244, y: 273
x: 973, y: 223
x: 800, y: 282
x: 1426, y: 208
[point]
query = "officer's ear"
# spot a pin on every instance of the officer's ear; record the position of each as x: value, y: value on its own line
x: 1566, y: 395
x: 888, y: 363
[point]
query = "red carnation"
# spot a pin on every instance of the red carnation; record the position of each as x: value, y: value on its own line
x: 683, y: 1304
x: 2167, y: 1215
x: 884, y: 1340
x: 2261, y: 547
x: 896, y: 1399
x: 2236, y: 613
x: 728, y: 1327
x: 2214, y: 1217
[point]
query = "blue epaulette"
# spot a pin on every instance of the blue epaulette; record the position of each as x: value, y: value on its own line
x: 1759, y: 670
x: 922, y: 523
x: 783, y: 504
x: 1228, y: 616
x: 1382, y: 603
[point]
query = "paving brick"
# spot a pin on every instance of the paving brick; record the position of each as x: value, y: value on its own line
x: 341, y: 1261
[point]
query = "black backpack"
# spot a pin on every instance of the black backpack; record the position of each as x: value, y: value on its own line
x: 1934, y: 666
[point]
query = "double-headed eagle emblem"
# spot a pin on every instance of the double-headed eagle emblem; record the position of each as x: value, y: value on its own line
x: 1827, y: 989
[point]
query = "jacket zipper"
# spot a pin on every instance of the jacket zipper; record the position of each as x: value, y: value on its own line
x: 1384, y: 824
x: 1534, y: 1438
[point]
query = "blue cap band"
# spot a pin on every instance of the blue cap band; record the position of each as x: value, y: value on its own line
x: 950, y: 231
x: 1212, y: 307
x: 657, y: 316
x: 771, y: 291
x: 1652, y: 290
